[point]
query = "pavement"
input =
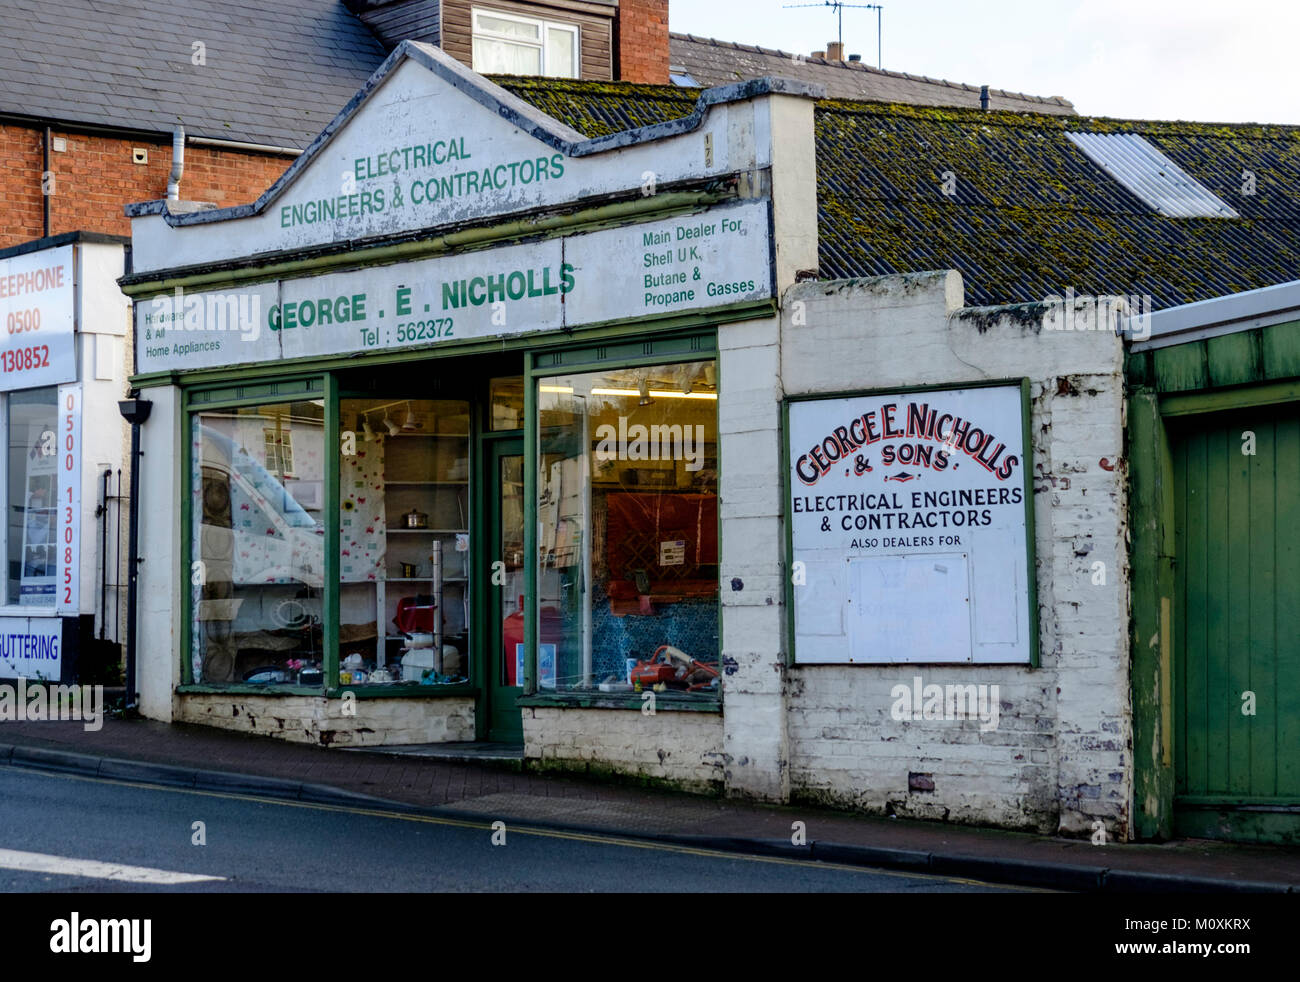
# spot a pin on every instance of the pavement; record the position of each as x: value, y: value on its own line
x: 204, y: 758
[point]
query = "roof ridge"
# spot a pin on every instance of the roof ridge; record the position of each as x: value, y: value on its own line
x: 859, y: 66
x: 685, y: 94
x: 1023, y: 117
x: 1015, y: 117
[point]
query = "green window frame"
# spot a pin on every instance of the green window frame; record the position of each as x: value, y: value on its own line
x: 689, y: 342
x: 663, y: 349
x: 196, y: 400
x: 323, y: 385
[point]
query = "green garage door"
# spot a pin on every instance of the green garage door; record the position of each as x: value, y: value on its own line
x: 1237, y: 630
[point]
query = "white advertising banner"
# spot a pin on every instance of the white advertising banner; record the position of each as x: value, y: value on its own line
x: 910, y: 516
x: 712, y: 259
x: 37, y: 297
x: 68, y: 519
x: 31, y: 647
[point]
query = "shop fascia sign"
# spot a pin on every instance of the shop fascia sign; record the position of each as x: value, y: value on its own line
x: 715, y: 258
x: 910, y: 527
x: 430, y: 144
x: 37, y: 302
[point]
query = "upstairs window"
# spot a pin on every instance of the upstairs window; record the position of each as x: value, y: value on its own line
x: 506, y: 44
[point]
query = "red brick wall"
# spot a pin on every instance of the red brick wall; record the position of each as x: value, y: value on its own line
x: 94, y: 179
x: 642, y: 51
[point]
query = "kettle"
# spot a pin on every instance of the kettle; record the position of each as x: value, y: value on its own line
x: 415, y: 519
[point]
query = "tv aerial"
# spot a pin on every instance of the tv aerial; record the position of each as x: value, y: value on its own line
x: 838, y: 7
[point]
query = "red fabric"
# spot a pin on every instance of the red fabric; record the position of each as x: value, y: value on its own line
x: 639, y: 521
x: 414, y: 617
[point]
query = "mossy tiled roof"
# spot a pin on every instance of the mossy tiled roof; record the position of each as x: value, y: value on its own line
x: 600, y: 108
x: 1031, y: 216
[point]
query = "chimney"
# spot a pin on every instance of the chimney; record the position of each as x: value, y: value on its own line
x: 835, y: 51
x: 819, y: 54
x: 641, y: 41
x: 984, y: 97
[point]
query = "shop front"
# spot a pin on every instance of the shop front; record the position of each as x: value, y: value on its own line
x: 473, y: 428
x: 435, y: 446
x: 63, y: 357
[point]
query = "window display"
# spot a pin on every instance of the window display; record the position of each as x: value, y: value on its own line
x: 404, y: 542
x: 258, y: 544
x: 628, y: 530
x: 33, y: 487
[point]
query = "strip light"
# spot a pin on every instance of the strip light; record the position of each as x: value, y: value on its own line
x: 655, y: 394
x: 630, y: 393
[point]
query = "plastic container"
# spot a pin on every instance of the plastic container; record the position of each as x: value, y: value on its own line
x: 416, y: 663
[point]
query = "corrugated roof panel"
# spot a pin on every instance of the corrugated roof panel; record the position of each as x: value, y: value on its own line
x: 1162, y: 184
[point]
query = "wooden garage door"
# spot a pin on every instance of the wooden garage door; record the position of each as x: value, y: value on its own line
x: 1238, y: 624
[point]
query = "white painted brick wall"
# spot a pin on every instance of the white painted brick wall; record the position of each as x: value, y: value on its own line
x: 160, y: 576
x: 681, y: 747
x: 752, y: 572
x: 1059, y: 759
x: 315, y: 720
x: 755, y: 742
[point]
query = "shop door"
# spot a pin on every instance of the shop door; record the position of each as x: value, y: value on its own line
x: 506, y: 590
x: 1237, y: 629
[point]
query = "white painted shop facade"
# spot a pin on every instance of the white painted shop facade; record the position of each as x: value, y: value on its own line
x: 474, y: 428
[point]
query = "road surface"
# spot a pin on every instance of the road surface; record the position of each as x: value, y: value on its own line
x: 65, y: 833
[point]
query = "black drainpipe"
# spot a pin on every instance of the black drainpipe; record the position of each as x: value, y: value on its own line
x: 45, y: 170
x: 107, y: 477
x: 135, y: 411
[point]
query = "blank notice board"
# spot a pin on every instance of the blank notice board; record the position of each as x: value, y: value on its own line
x: 884, y: 624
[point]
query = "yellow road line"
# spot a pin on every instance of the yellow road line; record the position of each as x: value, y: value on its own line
x: 596, y: 838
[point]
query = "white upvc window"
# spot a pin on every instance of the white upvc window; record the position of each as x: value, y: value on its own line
x: 507, y: 44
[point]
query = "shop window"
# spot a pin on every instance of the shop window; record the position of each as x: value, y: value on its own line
x: 404, y: 542
x: 505, y: 44
x: 33, y: 486
x: 257, y: 543
x: 628, y: 531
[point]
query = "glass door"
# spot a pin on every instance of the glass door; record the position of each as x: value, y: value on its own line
x: 506, y: 561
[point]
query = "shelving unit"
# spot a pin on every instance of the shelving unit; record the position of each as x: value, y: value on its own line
x: 418, y: 523
x: 427, y: 473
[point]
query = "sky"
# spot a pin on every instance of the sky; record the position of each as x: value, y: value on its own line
x: 1226, y: 61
